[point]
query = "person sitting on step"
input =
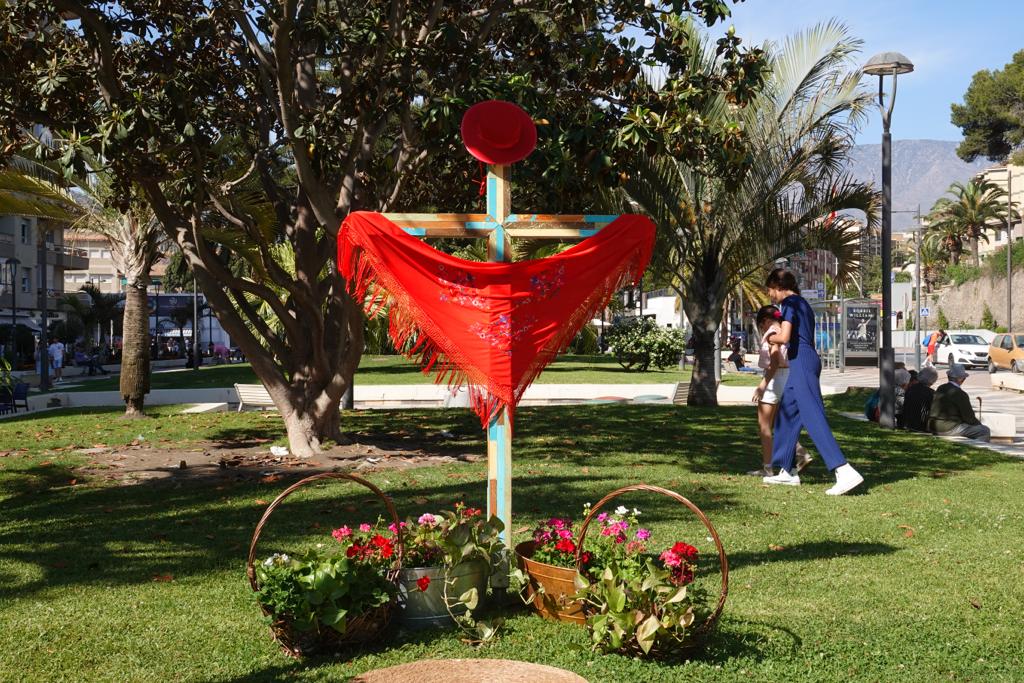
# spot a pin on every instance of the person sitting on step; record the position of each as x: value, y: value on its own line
x: 951, y: 413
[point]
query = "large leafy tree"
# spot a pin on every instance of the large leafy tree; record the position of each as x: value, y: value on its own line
x: 252, y: 123
x: 992, y: 114
x: 970, y: 212
x: 717, y: 233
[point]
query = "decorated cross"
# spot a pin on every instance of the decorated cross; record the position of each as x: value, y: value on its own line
x: 498, y: 134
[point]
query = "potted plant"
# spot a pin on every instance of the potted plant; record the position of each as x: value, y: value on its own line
x: 547, y: 570
x: 639, y: 597
x: 339, y: 593
x: 449, y: 558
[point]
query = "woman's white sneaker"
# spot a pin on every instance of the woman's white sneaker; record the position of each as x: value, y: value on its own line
x: 784, y: 478
x: 847, y: 479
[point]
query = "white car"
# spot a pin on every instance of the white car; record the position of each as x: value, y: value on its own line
x: 965, y: 349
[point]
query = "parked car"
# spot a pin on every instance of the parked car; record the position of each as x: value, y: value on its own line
x: 965, y: 349
x: 1007, y: 352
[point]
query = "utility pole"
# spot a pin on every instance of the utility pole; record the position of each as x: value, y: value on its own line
x: 920, y: 299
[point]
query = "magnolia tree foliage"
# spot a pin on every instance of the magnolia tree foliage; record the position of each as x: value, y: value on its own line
x: 249, y: 124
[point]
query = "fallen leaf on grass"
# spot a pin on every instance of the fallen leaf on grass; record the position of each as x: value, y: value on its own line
x: 260, y: 501
x: 163, y: 578
x: 772, y: 546
x: 270, y: 478
x: 45, y: 463
x: 975, y: 603
x: 909, y: 533
x: 73, y: 482
x: 521, y: 530
x: 420, y: 500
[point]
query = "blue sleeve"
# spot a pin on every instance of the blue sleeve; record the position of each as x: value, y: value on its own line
x: 788, y: 311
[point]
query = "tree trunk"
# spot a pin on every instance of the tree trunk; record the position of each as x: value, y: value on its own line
x: 703, y: 385
x: 309, y: 396
x: 135, y: 349
x: 974, y: 252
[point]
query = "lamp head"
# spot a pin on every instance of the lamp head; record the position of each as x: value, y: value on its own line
x: 888, y: 63
x: 12, y: 265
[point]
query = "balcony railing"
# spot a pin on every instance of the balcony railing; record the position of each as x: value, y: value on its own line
x: 67, y: 257
x: 66, y: 250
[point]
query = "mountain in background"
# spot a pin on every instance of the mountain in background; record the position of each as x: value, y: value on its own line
x: 922, y: 171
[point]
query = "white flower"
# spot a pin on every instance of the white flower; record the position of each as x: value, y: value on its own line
x: 621, y: 510
x: 285, y: 558
x: 636, y: 513
x: 269, y: 562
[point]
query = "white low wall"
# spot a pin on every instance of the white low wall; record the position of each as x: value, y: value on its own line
x: 1007, y: 380
x: 382, y: 395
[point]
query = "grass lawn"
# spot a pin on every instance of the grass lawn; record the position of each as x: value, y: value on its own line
x: 918, y: 579
x: 398, y: 370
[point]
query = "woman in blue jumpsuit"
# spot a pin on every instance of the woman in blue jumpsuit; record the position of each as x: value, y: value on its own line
x: 801, y: 406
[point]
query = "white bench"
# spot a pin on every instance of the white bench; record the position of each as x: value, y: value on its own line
x: 1007, y: 380
x: 253, y: 395
x: 1003, y: 425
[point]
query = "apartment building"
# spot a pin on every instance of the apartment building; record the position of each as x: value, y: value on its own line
x: 38, y: 271
x: 101, y: 271
x: 1001, y: 176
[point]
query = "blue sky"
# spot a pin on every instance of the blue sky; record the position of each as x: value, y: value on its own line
x: 948, y: 41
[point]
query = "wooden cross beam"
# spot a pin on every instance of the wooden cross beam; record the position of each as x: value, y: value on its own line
x: 499, y: 225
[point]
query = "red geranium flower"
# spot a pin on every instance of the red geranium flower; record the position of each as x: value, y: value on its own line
x: 685, y: 551
x: 353, y: 550
x: 423, y: 583
x: 565, y: 545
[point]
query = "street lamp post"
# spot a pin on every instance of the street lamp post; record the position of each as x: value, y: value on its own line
x: 12, y: 272
x: 1009, y: 249
x: 882, y: 65
x: 197, y: 358
x: 917, y: 288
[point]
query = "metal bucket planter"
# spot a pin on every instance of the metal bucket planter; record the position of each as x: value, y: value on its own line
x: 550, y: 587
x: 427, y: 609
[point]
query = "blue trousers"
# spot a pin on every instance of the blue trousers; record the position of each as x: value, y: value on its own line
x: 801, y: 407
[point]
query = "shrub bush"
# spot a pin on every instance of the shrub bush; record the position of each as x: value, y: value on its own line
x: 638, y: 344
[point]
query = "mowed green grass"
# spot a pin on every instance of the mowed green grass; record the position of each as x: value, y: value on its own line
x: 399, y: 370
x: 917, y: 579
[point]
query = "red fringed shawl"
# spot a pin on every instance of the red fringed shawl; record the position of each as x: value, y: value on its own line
x: 493, y: 326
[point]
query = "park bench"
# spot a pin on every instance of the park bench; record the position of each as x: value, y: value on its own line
x: 1007, y: 380
x: 253, y: 395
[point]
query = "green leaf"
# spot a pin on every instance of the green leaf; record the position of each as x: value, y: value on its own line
x: 580, y: 582
x: 679, y: 596
x: 645, y: 635
x: 616, y: 599
x: 470, y: 599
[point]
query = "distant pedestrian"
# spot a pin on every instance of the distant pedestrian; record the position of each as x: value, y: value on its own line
x: 801, y: 406
x: 56, y: 353
x: 772, y: 359
x: 951, y: 413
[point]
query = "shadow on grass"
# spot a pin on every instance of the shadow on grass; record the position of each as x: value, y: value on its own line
x: 128, y: 534
x: 809, y: 552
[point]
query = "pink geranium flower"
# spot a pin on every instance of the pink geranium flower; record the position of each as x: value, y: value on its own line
x: 427, y: 519
x: 341, y: 534
x: 364, y: 527
x: 642, y: 534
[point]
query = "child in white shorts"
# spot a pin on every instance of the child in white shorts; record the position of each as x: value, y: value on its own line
x: 772, y: 359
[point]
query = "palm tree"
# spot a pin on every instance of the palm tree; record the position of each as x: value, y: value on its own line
x: 975, y: 208
x: 136, y: 241
x: 944, y: 236
x: 716, y: 233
